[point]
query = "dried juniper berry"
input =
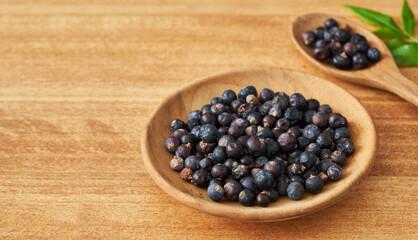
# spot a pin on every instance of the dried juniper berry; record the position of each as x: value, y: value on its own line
x: 195, y: 115
x: 297, y: 100
x: 346, y: 146
x: 243, y: 141
x: 219, y: 171
x: 320, y: 119
x: 219, y: 154
x: 195, y: 131
x: 283, y: 124
x: 177, y: 124
x: 183, y: 151
x: 254, y: 118
x: 335, y: 48
x: 294, y: 157
x: 255, y: 146
x: 236, y: 131
x: 246, y: 197
x: 275, y: 111
x: 222, y: 131
x: 264, y: 179
x: 266, y: 95
x: 248, y: 183
x: 338, y: 158
x: 337, y: 120
x: 208, y: 118
x: 295, y: 169
x: 228, y: 96
x: 225, y: 140
x: 287, y: 142
x: 243, y: 93
x: 186, y: 174
x: 334, y: 172
x: 208, y: 133
x: 308, y: 159
x: 200, y: 178
x: 218, y: 108
x: 177, y: 163
x: 311, y: 132
x: 240, y: 122
x: 251, y: 130
x: 295, y: 191
x: 277, y: 132
x: 191, y: 162
x: 262, y: 199
x: 309, y: 172
x: 321, y: 53
x: 234, y: 149
x: 205, y: 147
x: 330, y: 22
x: 341, y: 132
x: 188, y: 138
x: 232, y: 190
x: 308, y: 38
x: 356, y: 38
x: 264, y: 109
x: 324, y: 140
x: 215, y: 192
x: 273, y: 167
x: 314, y: 184
x: 373, y: 55
x: 325, y: 108
x: 261, y: 161
x: 341, y: 35
x: 239, y: 171
x: 350, y: 48
x: 359, y: 61
x: 362, y: 46
x: 205, y: 108
x: 295, y: 131
x: 216, y: 100
x: 171, y: 144
x: 341, y: 61
x: 269, y: 121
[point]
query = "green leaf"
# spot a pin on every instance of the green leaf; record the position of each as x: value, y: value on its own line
x: 376, y: 18
x: 408, y: 20
x: 395, y: 43
x: 386, y: 32
x: 406, y: 54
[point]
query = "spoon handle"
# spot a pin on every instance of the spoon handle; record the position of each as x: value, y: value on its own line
x: 402, y: 86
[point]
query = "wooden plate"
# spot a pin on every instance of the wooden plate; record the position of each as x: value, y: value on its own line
x: 194, y: 95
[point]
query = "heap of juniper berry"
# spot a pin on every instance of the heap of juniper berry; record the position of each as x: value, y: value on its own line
x: 255, y: 149
x: 345, y: 50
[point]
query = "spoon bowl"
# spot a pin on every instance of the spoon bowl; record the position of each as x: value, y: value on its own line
x: 194, y: 95
x: 383, y: 75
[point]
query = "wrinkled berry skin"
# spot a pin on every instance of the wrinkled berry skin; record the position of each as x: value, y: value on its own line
x: 215, y: 192
x: 314, y: 184
x: 295, y: 191
x: 219, y: 171
x: 177, y: 163
x: 334, y: 172
x: 246, y: 197
x: 311, y: 132
x: 264, y: 180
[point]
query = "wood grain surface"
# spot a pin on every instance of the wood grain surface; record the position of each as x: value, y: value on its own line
x: 78, y: 80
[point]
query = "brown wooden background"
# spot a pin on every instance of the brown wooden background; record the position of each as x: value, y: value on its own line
x: 78, y: 79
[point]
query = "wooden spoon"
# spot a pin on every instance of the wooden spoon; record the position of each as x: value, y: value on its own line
x: 383, y: 75
x: 194, y: 95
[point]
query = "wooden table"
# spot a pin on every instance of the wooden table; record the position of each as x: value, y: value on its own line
x: 78, y: 81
